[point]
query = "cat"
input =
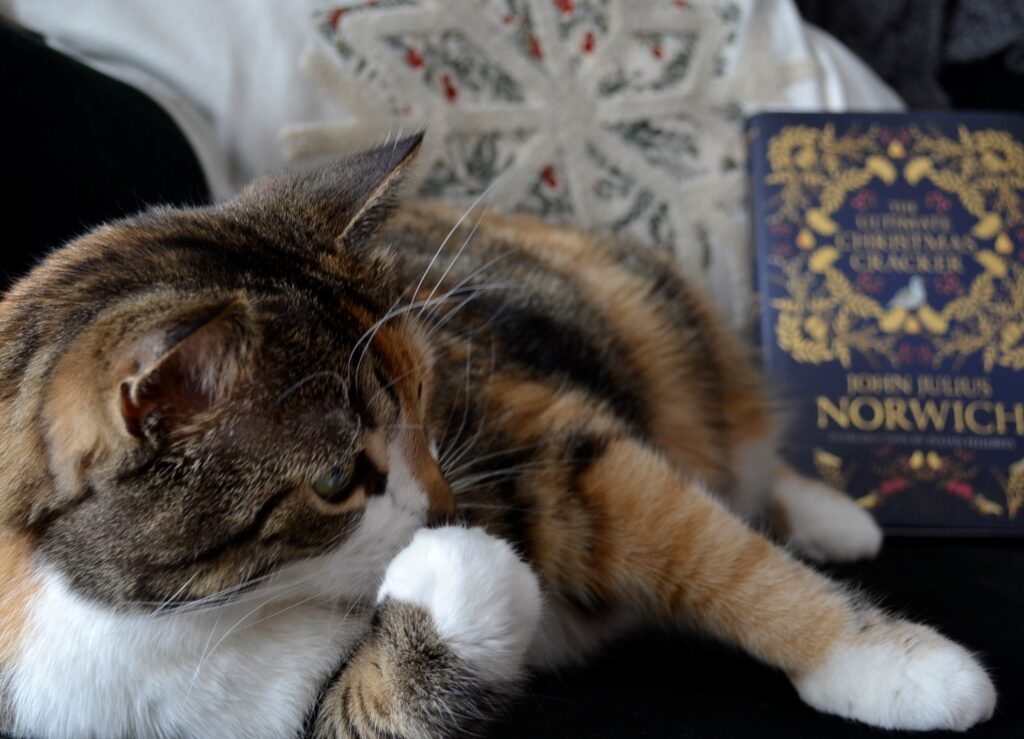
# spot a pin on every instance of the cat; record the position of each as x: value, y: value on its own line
x: 318, y: 460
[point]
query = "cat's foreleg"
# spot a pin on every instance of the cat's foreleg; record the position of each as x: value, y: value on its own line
x: 455, y: 615
x: 662, y: 544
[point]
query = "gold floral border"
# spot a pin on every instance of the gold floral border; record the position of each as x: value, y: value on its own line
x: 929, y: 470
x: 823, y: 317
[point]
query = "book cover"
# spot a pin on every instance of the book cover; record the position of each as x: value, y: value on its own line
x: 890, y: 270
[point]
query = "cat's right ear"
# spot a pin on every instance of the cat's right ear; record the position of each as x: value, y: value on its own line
x: 184, y: 365
x: 342, y: 203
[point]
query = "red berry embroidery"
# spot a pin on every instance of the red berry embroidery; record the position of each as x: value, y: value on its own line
x: 588, y: 42
x: 550, y: 176
x: 413, y: 58
x: 566, y: 6
x: 450, y: 91
x: 535, y: 50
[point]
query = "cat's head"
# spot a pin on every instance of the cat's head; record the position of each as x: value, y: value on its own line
x: 193, y: 400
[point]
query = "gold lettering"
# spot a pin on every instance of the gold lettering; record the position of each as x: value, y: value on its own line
x: 929, y: 413
x: 827, y: 409
x: 896, y: 415
x: 1017, y: 419
x: 971, y: 416
x: 856, y: 413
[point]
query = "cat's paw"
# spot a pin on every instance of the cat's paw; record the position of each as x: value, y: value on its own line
x: 825, y: 525
x: 911, y: 678
x: 484, y: 600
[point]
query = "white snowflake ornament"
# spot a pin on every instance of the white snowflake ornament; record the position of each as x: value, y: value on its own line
x: 611, y: 114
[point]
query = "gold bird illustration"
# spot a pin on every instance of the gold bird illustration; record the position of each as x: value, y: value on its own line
x: 917, y: 168
x: 881, y: 168
x: 892, y: 321
x: 916, y: 460
x: 992, y: 262
x: 986, y: 507
x: 822, y: 259
x: 934, y: 460
x: 989, y: 225
x: 869, y: 501
x: 821, y: 223
x: 932, y: 321
x: 805, y: 239
x: 1004, y: 244
x: 829, y: 468
x: 816, y: 328
x: 896, y: 149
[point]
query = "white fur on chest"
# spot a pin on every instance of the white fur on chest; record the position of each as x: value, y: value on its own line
x: 237, y: 671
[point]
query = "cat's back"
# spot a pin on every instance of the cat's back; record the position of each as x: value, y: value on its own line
x: 580, y: 313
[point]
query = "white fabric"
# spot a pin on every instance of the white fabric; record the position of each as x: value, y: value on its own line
x: 228, y: 72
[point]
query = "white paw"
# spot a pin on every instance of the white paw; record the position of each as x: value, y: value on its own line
x: 824, y: 524
x: 914, y: 679
x: 485, y: 601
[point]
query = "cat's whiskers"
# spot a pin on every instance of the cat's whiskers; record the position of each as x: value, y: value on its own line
x: 286, y: 590
x: 465, y: 243
x: 493, y: 476
x: 454, y: 228
x: 445, y: 452
x: 493, y: 507
x: 456, y: 456
x: 461, y: 284
x: 366, y: 339
x: 170, y: 599
x: 436, y: 327
x: 465, y: 467
x: 460, y: 288
x: 202, y: 657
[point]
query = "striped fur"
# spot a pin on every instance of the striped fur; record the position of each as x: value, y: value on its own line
x: 172, y: 385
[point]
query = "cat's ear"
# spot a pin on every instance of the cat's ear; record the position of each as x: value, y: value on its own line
x: 185, y: 365
x: 380, y: 172
x: 341, y: 203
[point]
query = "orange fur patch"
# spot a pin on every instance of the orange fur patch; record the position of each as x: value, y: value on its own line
x: 17, y: 584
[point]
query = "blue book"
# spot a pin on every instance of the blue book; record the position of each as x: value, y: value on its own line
x: 890, y: 274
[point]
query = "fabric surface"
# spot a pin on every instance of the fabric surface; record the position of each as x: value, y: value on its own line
x: 79, y: 149
x: 918, y: 45
x: 605, y: 113
x: 663, y: 686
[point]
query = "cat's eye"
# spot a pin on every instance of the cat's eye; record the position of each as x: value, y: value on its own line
x: 335, y: 485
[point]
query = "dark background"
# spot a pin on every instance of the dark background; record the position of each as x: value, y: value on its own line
x: 79, y: 149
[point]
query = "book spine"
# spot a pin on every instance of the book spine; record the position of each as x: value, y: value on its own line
x: 757, y: 167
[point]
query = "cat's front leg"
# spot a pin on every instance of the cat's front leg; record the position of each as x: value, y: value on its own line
x: 455, y: 615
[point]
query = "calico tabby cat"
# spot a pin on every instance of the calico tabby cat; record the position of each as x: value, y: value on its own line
x: 284, y: 465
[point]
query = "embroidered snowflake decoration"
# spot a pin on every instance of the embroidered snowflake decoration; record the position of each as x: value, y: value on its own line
x: 610, y: 114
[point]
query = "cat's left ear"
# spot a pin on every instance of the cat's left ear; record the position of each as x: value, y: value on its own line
x: 342, y: 203
x: 185, y: 365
